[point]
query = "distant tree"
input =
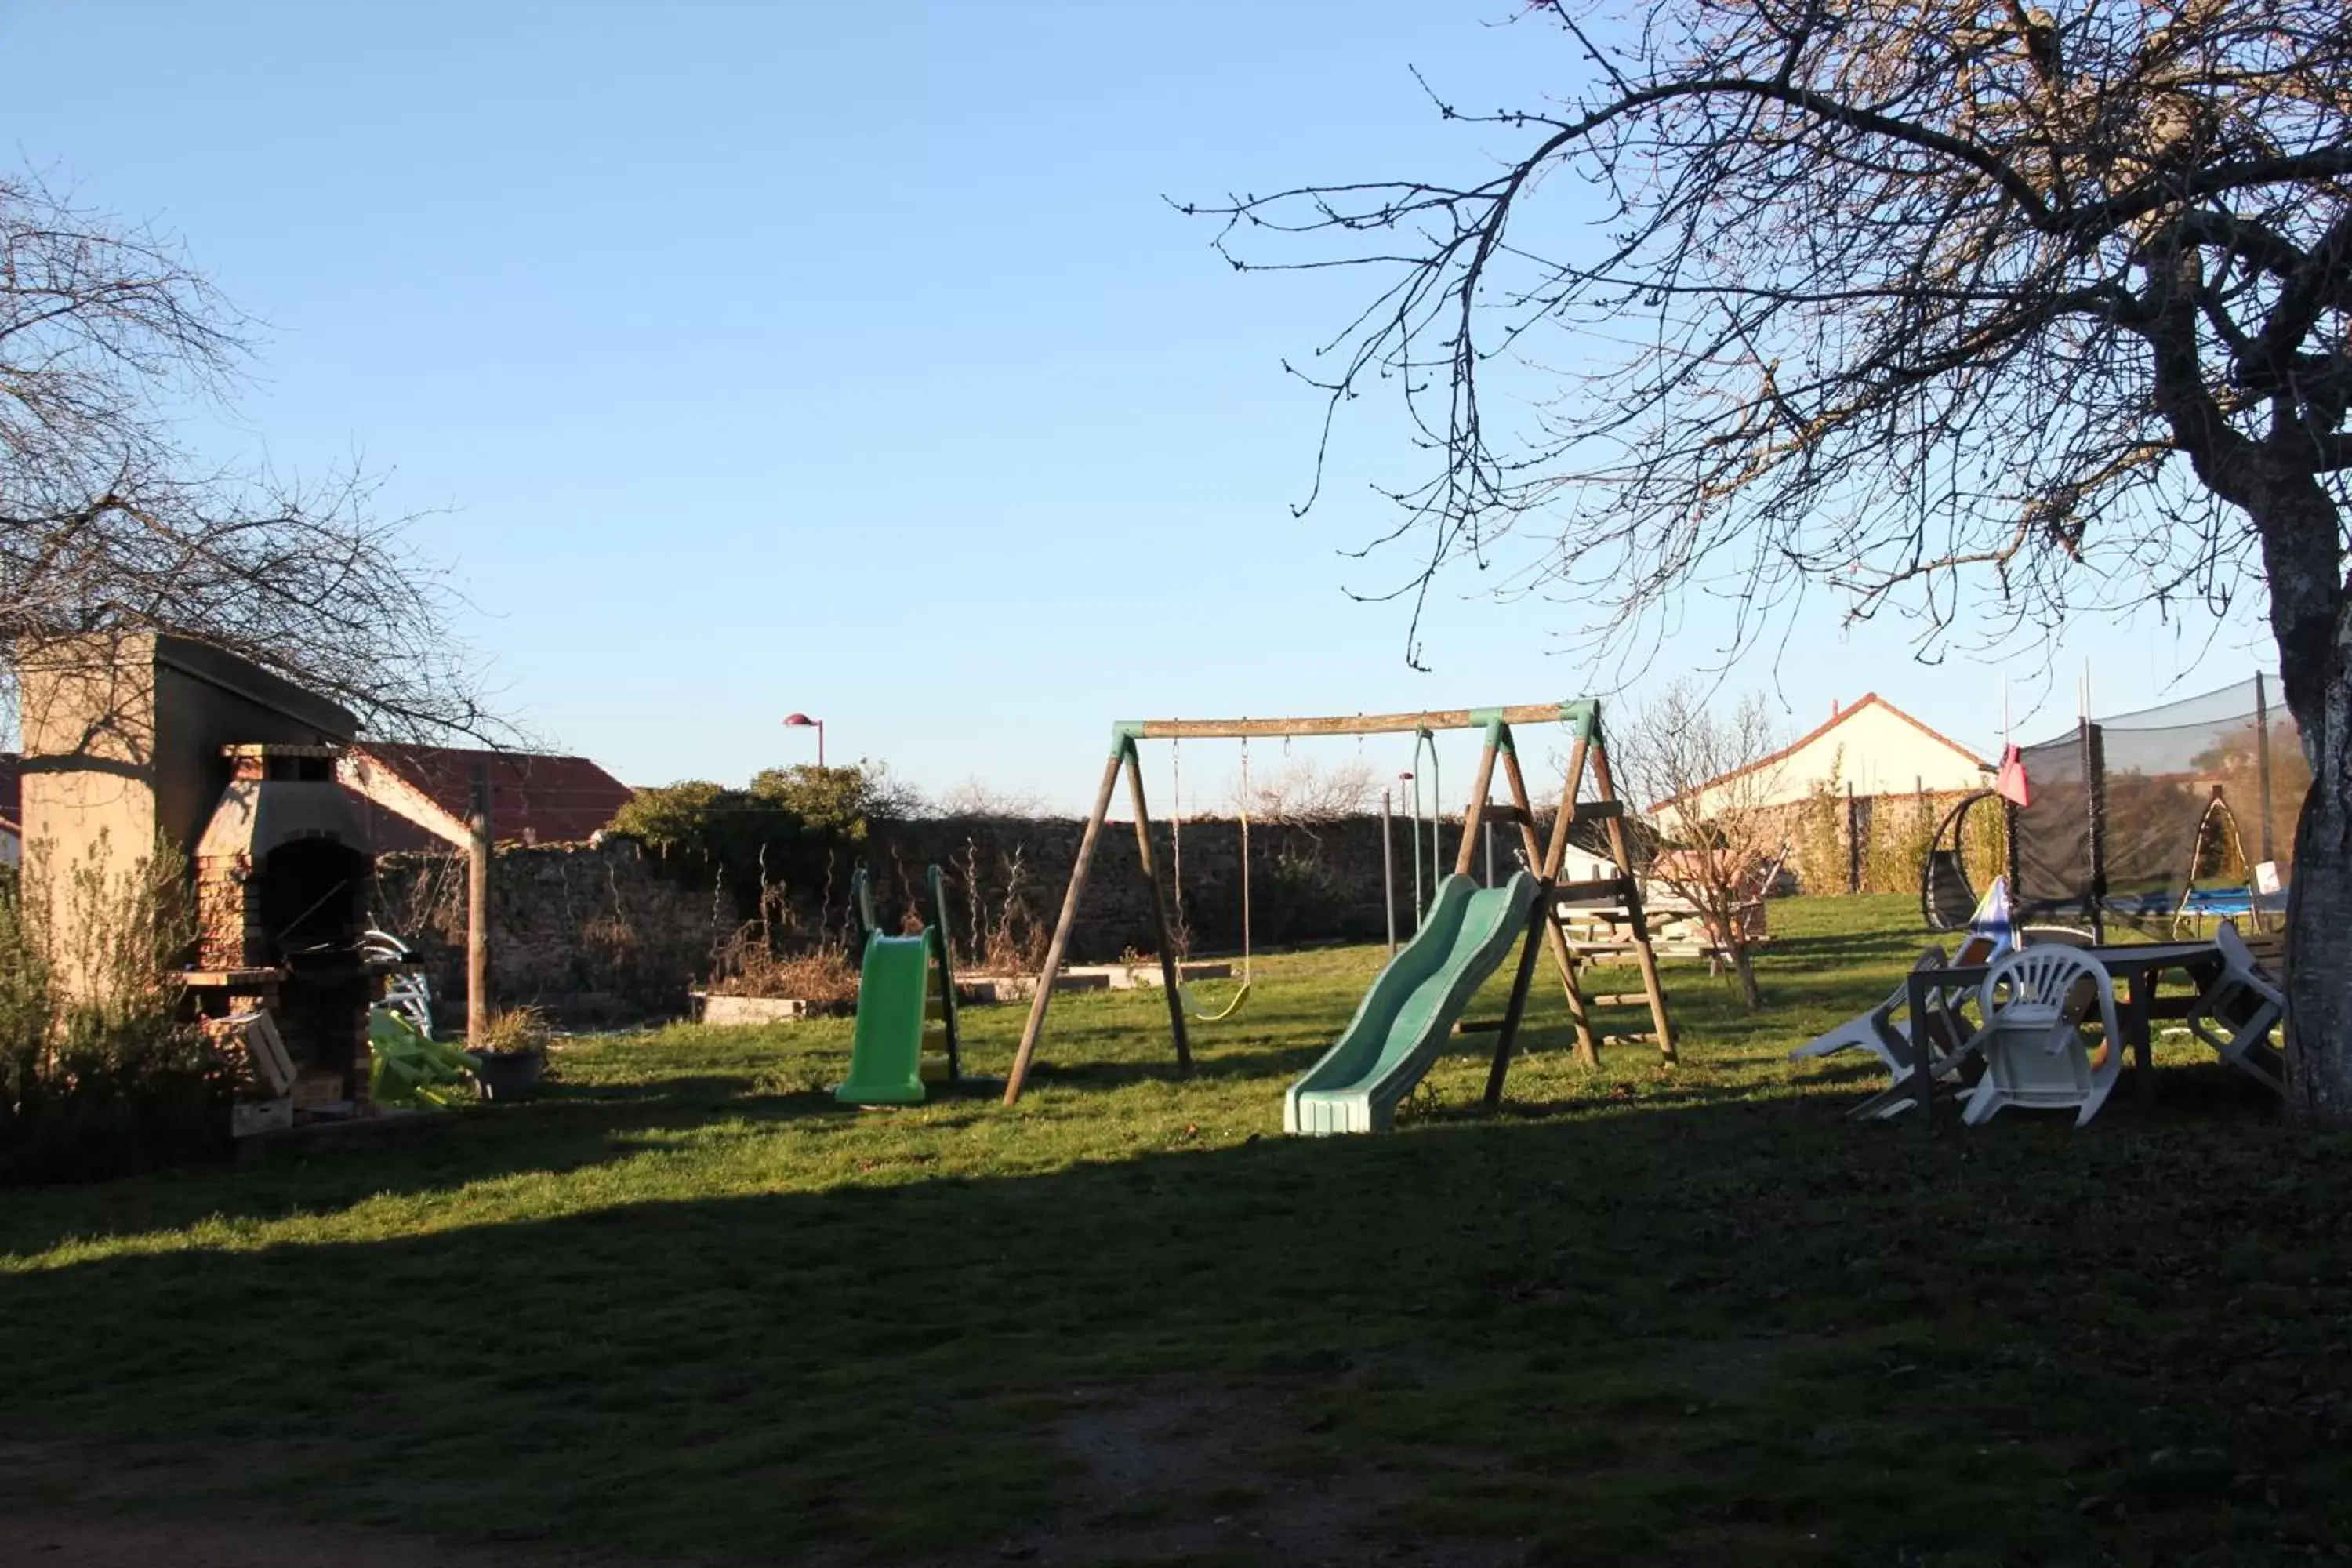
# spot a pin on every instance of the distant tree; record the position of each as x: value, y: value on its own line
x: 109, y: 521
x: 1898, y: 302
x: 796, y: 825
x: 1713, y: 796
x: 1302, y: 793
x: 977, y: 797
x: 843, y: 801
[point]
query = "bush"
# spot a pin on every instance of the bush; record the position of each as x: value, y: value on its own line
x: 99, y: 1074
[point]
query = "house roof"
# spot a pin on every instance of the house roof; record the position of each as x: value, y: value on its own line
x: 1869, y: 699
x: 418, y: 798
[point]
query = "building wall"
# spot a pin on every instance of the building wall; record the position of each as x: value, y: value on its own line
x: 122, y: 750
x: 88, y: 717
x: 1872, y: 748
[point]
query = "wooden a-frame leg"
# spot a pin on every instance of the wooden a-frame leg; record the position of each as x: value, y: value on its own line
x: 1505, y: 1042
x: 1472, y: 819
x: 1587, y: 1048
x: 1168, y: 969
x: 1035, y: 1027
x: 1643, y: 953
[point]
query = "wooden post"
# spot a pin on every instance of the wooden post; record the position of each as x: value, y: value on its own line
x: 1539, y: 919
x: 1643, y: 955
x: 1061, y: 943
x: 477, y: 911
x: 1548, y: 863
x: 1169, y: 975
x: 1468, y: 859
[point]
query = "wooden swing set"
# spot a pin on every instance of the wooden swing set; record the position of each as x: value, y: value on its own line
x: 1621, y: 893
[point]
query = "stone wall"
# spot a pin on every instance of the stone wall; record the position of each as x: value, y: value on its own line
x: 615, y: 934
x: 594, y: 936
x: 1307, y: 883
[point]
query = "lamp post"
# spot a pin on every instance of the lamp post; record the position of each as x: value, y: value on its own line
x: 802, y: 722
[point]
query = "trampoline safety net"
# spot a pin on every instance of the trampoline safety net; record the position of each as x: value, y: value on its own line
x: 2125, y: 824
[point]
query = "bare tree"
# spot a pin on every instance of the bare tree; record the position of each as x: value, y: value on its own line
x: 1301, y: 792
x: 1911, y: 302
x: 977, y: 797
x: 1712, y: 788
x: 110, y: 522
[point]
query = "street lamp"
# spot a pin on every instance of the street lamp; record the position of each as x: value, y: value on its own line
x: 802, y: 722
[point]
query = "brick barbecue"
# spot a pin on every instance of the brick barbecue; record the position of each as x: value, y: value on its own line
x: 282, y: 877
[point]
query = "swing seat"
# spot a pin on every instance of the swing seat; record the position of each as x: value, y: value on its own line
x: 1233, y: 1004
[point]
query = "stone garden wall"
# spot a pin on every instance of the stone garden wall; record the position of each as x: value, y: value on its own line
x: 615, y: 933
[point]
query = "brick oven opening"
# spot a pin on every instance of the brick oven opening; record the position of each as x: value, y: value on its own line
x: 282, y: 899
x: 312, y: 910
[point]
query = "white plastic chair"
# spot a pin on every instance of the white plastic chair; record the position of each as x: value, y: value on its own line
x: 1892, y: 1040
x: 2237, y: 1012
x: 1877, y: 1031
x: 2032, y: 1050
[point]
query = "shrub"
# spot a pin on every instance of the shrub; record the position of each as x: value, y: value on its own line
x: 99, y: 1074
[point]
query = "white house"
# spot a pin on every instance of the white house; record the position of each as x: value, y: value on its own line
x: 1872, y: 745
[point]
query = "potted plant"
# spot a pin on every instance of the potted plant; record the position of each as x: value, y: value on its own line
x: 512, y: 1053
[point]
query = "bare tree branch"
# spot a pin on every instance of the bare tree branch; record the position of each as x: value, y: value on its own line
x: 109, y: 522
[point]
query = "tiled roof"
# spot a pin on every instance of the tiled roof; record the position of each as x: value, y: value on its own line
x: 535, y: 798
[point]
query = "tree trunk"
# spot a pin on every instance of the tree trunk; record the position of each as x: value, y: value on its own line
x: 2319, y: 919
x: 2311, y: 620
x: 1743, y: 972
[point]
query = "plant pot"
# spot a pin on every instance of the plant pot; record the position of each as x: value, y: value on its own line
x: 508, y: 1074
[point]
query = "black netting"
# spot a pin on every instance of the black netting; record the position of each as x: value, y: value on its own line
x: 2186, y: 808
x: 2051, y: 842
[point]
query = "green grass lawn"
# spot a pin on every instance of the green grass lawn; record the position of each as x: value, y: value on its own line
x: 683, y: 1307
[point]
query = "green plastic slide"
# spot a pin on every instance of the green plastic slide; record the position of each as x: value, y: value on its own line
x: 1405, y: 1017
x: 885, y: 1055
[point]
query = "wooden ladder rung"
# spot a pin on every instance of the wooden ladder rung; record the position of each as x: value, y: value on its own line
x: 1508, y: 813
x: 1598, y: 810
x: 1608, y: 892
x: 1620, y: 999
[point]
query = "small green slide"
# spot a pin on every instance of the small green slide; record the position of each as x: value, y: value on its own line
x: 1406, y: 1016
x: 885, y: 1055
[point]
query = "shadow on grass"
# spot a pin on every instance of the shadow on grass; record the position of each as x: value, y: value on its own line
x: 1691, y: 1331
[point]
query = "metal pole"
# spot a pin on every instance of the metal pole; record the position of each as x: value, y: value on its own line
x: 1388, y: 872
x: 1416, y: 845
x: 477, y: 911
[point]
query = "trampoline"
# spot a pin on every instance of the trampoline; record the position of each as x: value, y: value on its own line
x: 2156, y: 819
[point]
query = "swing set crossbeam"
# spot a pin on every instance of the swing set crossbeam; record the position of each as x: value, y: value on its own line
x: 1580, y: 713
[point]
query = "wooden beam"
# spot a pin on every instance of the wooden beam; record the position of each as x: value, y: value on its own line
x: 1555, y: 939
x: 1507, y: 1037
x: 1468, y: 859
x: 369, y: 777
x: 1168, y: 972
x: 477, y: 912
x: 1035, y: 1027
x: 1345, y: 723
x: 1647, y: 959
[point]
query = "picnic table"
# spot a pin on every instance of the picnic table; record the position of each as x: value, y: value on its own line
x: 2135, y: 968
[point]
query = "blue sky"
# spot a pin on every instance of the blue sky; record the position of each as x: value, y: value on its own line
x: 845, y: 358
